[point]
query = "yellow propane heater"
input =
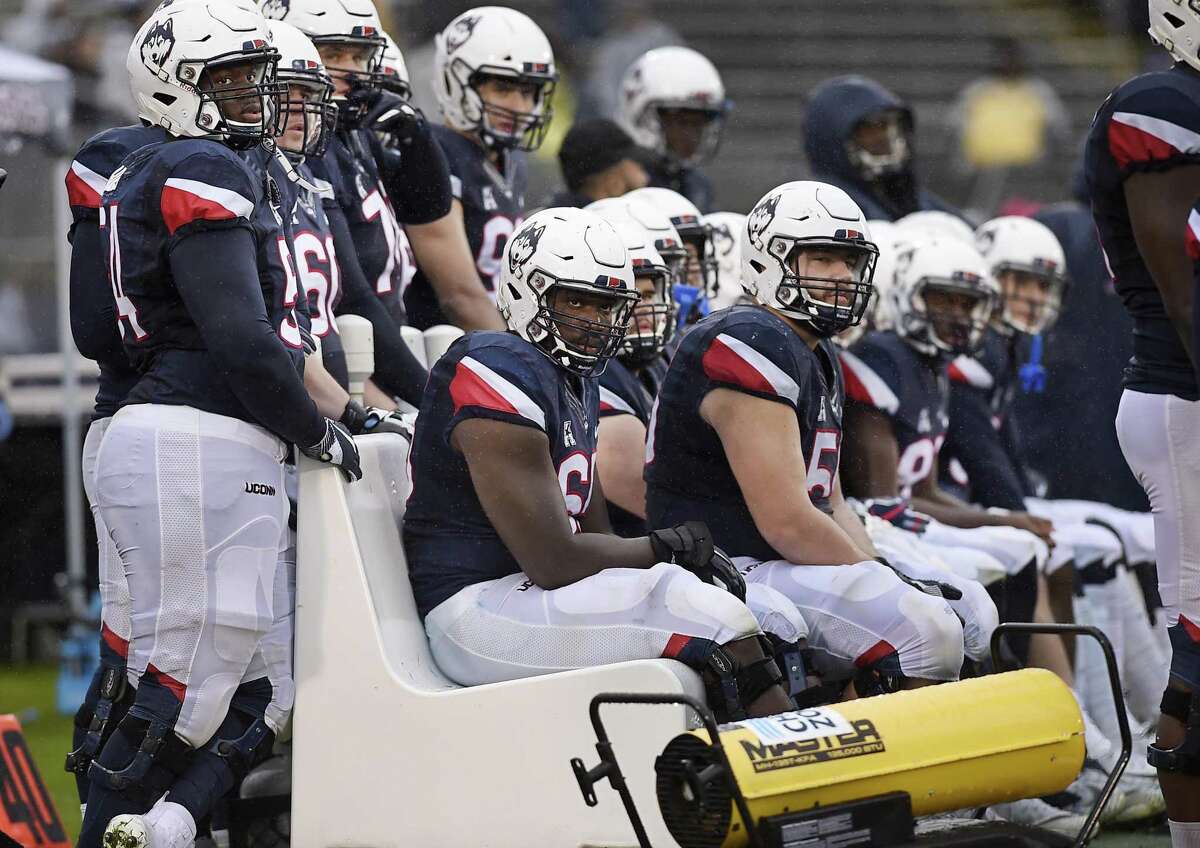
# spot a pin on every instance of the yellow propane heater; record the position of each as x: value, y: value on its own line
x: 856, y: 773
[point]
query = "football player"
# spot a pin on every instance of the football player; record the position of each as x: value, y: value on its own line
x: 625, y: 396
x: 1141, y: 167
x: 509, y: 583
x: 673, y: 104
x: 494, y: 76
x: 195, y: 452
x: 701, y: 278
x: 746, y: 436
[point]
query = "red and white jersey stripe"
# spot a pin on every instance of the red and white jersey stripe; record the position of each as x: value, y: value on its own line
x: 84, y: 186
x: 865, y: 386
x: 610, y: 401
x: 730, y: 360
x: 184, y: 201
x: 966, y: 369
x: 1133, y: 137
x: 474, y: 384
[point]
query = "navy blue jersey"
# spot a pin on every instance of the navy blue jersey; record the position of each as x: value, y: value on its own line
x: 93, y: 308
x: 167, y: 192
x: 884, y: 372
x: 448, y: 540
x: 1150, y: 123
x: 690, y: 182
x: 746, y: 349
x: 623, y: 393
x: 380, y: 244
x: 981, y: 453
x: 493, y: 206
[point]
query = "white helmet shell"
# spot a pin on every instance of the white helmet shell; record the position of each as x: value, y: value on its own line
x: 172, y: 50
x: 1017, y: 243
x: 395, y: 69
x: 672, y: 78
x: 933, y: 223
x: 726, y: 230
x: 493, y: 41
x: 1176, y: 27
x: 574, y: 249
x: 947, y: 264
x: 689, y: 224
x: 879, y: 311
x: 300, y: 64
x: 799, y: 215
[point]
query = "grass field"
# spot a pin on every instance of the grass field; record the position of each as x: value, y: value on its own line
x: 28, y: 692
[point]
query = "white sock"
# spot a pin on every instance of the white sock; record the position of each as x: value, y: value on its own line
x: 1185, y: 834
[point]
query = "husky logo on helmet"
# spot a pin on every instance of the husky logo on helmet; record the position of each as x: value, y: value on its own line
x: 158, y: 43
x: 460, y: 32
x: 276, y: 9
x: 761, y: 217
x: 524, y: 245
x: 722, y: 238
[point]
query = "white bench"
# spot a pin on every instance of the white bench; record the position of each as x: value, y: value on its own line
x: 388, y: 752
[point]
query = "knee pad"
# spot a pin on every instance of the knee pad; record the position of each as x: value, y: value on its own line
x: 158, y: 756
x: 1184, y: 757
x: 730, y: 686
x: 246, y: 751
x: 98, y: 718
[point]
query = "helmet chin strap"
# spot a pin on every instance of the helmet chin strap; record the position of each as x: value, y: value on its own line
x: 316, y: 186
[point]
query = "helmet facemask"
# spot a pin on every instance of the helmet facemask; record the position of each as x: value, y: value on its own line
x: 700, y: 274
x: 652, y: 321
x: 364, y: 78
x: 308, y: 95
x: 828, y: 305
x: 1020, y: 313
x: 894, y: 156
x: 239, y: 94
x: 579, y: 344
x: 502, y: 128
x: 933, y: 333
x: 670, y: 120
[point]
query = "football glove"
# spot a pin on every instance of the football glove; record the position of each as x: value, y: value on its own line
x: 393, y: 117
x: 690, y: 545
x: 336, y: 448
x: 898, y: 511
x: 360, y: 421
x: 930, y: 587
x: 307, y: 343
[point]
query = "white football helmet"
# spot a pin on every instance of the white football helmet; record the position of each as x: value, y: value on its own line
x: 653, y: 321
x: 879, y: 311
x: 395, y: 70
x: 1017, y: 243
x: 174, y: 63
x: 942, y: 264
x: 308, y: 91
x: 494, y: 41
x: 348, y: 23
x: 1175, y: 26
x: 572, y: 250
x: 933, y: 223
x: 726, y: 234
x: 670, y: 78
x: 702, y: 277
x: 800, y: 216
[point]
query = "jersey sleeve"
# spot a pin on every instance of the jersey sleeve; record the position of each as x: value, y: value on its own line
x: 1153, y: 128
x: 207, y: 192
x: 85, y: 185
x: 417, y: 177
x: 329, y: 169
x: 872, y: 377
x: 497, y: 383
x: 614, y: 395
x: 969, y: 371
x: 753, y: 358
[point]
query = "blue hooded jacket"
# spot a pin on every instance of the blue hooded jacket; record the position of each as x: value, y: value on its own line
x: 835, y: 107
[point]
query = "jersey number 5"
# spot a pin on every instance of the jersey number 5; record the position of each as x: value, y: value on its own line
x: 823, y: 464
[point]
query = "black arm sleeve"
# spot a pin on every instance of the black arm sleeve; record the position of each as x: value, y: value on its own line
x: 417, y: 178
x: 93, y: 310
x: 217, y: 277
x: 397, y: 371
x: 978, y: 446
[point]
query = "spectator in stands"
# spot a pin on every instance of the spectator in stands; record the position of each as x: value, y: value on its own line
x: 598, y: 160
x: 633, y: 31
x: 859, y: 137
x: 1007, y: 122
x: 1067, y: 431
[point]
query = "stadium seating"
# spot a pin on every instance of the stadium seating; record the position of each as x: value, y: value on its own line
x: 388, y: 752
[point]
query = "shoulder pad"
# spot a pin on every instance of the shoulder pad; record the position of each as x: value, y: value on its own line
x: 872, y: 375
x: 207, y: 184
x: 752, y: 349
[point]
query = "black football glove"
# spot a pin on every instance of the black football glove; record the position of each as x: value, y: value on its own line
x: 393, y: 117
x: 690, y: 545
x: 898, y: 511
x: 930, y: 587
x: 307, y: 342
x: 360, y: 421
x: 336, y: 448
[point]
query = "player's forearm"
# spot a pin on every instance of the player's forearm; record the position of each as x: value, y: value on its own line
x: 813, y: 538
x: 584, y: 554
x: 330, y: 398
x: 623, y: 483
x: 853, y: 527
x: 442, y: 253
x: 950, y: 510
x: 471, y: 310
